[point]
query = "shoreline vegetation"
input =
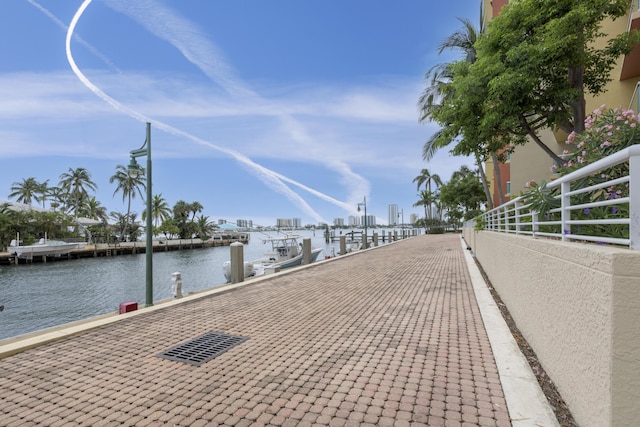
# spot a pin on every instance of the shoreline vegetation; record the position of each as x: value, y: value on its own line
x: 131, y: 248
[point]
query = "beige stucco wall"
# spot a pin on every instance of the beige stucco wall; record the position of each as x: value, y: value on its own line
x: 578, y: 306
x: 529, y: 162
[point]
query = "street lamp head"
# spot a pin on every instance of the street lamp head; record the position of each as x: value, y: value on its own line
x: 134, y: 170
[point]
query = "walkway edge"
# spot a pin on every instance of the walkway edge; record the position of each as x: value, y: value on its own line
x: 526, y: 402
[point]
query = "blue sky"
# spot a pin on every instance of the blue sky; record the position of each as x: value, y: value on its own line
x: 259, y: 110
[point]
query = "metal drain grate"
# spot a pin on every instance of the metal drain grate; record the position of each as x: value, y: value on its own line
x: 202, y: 349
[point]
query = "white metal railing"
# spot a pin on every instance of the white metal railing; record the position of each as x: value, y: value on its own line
x: 516, y: 217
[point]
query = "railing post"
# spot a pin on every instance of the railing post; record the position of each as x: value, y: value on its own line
x: 534, y: 223
x: 565, y: 214
x: 517, y: 207
x: 506, y: 218
x: 634, y: 202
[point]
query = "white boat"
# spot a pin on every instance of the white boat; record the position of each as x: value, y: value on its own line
x: 285, y: 252
x: 44, y: 247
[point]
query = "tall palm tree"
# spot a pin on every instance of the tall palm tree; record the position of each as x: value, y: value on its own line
x: 160, y: 210
x: 43, y: 192
x: 439, y: 76
x: 127, y: 184
x: 75, y: 184
x: 427, y: 178
x: 57, y: 196
x: 25, y: 191
x: 427, y: 198
x: 195, y: 208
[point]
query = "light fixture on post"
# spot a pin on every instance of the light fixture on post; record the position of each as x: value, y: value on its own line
x: 402, y: 223
x: 134, y: 171
x: 364, y: 240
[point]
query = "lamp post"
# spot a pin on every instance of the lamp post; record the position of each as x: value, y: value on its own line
x: 365, y: 221
x: 134, y: 170
x: 402, y: 223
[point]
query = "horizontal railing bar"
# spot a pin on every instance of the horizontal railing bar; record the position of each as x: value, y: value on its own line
x: 615, y: 221
x: 617, y: 181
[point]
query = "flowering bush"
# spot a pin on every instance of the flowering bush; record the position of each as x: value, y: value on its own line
x: 606, y: 132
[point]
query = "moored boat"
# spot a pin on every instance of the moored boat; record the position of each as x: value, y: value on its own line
x: 285, y: 252
x: 44, y: 247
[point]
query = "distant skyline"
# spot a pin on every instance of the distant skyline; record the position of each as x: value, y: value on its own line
x: 259, y: 110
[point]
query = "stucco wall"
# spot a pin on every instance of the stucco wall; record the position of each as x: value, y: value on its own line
x: 578, y: 305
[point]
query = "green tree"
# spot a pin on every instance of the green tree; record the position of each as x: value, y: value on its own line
x: 93, y: 209
x: 25, y: 191
x: 75, y: 184
x: 204, y: 227
x: 427, y: 178
x: 426, y: 199
x: 160, y: 210
x: 168, y: 228
x: 537, y: 60
x: 181, y: 217
x: 438, y: 92
x: 128, y: 185
x: 195, y: 208
x: 57, y: 197
x: 463, y: 192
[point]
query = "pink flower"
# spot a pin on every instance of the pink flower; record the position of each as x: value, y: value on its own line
x: 605, y: 144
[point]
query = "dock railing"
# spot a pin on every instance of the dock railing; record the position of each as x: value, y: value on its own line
x: 517, y: 217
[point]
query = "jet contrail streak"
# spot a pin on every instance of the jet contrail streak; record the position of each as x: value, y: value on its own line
x: 78, y: 38
x: 181, y: 34
x: 269, y: 177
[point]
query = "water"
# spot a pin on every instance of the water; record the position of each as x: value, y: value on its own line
x: 40, y: 296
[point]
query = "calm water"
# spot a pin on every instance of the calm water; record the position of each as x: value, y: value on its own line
x: 40, y: 295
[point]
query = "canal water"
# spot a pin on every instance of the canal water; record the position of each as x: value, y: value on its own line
x: 40, y: 296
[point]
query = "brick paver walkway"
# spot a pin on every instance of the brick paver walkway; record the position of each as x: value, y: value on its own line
x: 391, y: 336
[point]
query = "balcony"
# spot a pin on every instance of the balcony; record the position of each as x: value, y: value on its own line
x: 631, y: 64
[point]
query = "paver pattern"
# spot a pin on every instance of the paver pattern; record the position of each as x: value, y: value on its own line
x: 386, y: 337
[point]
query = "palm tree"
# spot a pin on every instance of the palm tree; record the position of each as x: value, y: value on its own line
x: 427, y: 198
x: 57, y: 197
x: 93, y: 209
x: 195, y: 208
x: 75, y: 184
x: 127, y: 184
x: 43, y: 192
x: 427, y: 178
x: 204, y: 227
x: 25, y: 191
x: 159, y: 210
x: 439, y: 76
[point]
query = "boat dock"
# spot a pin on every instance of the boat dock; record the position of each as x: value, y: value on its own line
x: 396, y: 335
x: 128, y: 248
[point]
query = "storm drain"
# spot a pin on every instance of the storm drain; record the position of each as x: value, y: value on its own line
x: 202, y: 349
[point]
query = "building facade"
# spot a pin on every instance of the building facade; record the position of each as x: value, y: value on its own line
x: 528, y: 162
x: 393, y: 214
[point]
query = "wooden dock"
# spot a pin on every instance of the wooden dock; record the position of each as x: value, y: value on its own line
x: 130, y: 248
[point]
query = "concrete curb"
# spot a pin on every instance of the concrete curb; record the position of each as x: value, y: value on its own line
x: 527, y: 404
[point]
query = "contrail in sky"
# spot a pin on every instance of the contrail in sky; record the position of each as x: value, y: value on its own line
x: 269, y: 177
x: 78, y: 38
x: 204, y: 54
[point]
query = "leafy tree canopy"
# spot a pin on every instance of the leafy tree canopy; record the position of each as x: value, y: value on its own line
x: 534, y: 65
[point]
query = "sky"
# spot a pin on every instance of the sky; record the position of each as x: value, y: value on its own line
x: 258, y: 110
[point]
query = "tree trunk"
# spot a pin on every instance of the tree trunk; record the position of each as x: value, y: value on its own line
x: 496, y: 171
x: 485, y: 184
x: 538, y: 141
x: 576, y: 76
